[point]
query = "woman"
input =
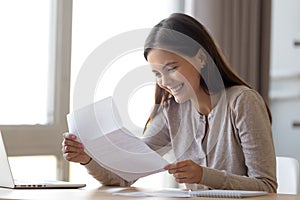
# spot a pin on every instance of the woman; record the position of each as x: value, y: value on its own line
x: 217, y: 126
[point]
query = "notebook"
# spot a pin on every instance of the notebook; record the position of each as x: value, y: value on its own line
x: 174, y: 193
x: 7, y: 181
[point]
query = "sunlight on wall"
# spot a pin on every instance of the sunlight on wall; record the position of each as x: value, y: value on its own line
x: 94, y: 22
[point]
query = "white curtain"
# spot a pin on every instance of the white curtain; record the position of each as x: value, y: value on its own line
x: 242, y: 29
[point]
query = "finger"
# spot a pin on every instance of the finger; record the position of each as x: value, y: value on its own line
x: 181, y: 173
x: 180, y: 164
x: 67, y: 142
x: 182, y: 170
x: 70, y: 136
x: 177, y: 167
x: 70, y: 149
x: 183, y: 163
x: 169, y: 166
x: 182, y: 180
x: 191, y: 174
x: 181, y: 177
x: 172, y: 168
x: 73, y: 152
x: 185, y: 177
x: 70, y: 156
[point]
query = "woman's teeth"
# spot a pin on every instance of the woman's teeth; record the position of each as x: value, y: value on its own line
x: 177, y: 88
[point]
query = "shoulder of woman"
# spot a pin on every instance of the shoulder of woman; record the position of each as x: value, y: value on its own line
x: 239, y: 93
x: 236, y: 90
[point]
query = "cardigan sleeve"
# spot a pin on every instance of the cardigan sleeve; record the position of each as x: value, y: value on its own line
x: 104, y: 176
x: 253, y: 128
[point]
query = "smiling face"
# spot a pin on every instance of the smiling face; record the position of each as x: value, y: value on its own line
x: 176, y: 74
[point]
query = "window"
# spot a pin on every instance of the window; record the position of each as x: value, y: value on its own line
x: 34, y: 78
x: 36, y: 68
x: 24, y: 61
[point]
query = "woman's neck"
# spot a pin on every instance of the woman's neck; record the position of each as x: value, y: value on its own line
x: 203, y: 103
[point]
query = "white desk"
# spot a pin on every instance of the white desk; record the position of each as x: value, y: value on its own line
x: 103, y: 193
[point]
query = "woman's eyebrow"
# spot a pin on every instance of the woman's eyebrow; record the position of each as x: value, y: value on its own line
x: 169, y: 63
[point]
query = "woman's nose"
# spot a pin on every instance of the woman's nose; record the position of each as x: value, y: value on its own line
x: 165, y: 80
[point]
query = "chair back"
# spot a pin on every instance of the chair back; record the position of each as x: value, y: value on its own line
x: 287, y: 175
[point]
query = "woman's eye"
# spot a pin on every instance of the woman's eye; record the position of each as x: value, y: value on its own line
x: 171, y: 69
x: 157, y: 75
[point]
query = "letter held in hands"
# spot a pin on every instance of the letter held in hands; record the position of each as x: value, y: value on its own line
x: 99, y: 127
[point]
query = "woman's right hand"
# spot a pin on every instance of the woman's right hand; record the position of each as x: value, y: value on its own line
x: 74, y: 151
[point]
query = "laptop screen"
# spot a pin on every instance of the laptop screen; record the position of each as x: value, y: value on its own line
x: 6, y: 179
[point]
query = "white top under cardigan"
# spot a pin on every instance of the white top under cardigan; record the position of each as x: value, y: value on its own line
x: 236, y: 153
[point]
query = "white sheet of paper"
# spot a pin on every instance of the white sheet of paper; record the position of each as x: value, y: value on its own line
x: 99, y: 127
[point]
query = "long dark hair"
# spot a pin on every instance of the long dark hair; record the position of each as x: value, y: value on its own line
x: 185, y: 35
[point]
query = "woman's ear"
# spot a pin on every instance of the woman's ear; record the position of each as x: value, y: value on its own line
x: 201, y: 58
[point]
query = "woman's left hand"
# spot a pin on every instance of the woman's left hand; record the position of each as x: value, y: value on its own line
x: 185, y: 171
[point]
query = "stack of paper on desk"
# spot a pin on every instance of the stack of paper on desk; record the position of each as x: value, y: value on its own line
x: 99, y: 127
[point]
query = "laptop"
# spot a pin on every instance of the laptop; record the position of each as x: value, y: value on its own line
x: 7, y: 180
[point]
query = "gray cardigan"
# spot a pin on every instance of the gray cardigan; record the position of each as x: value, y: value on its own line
x: 236, y: 153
